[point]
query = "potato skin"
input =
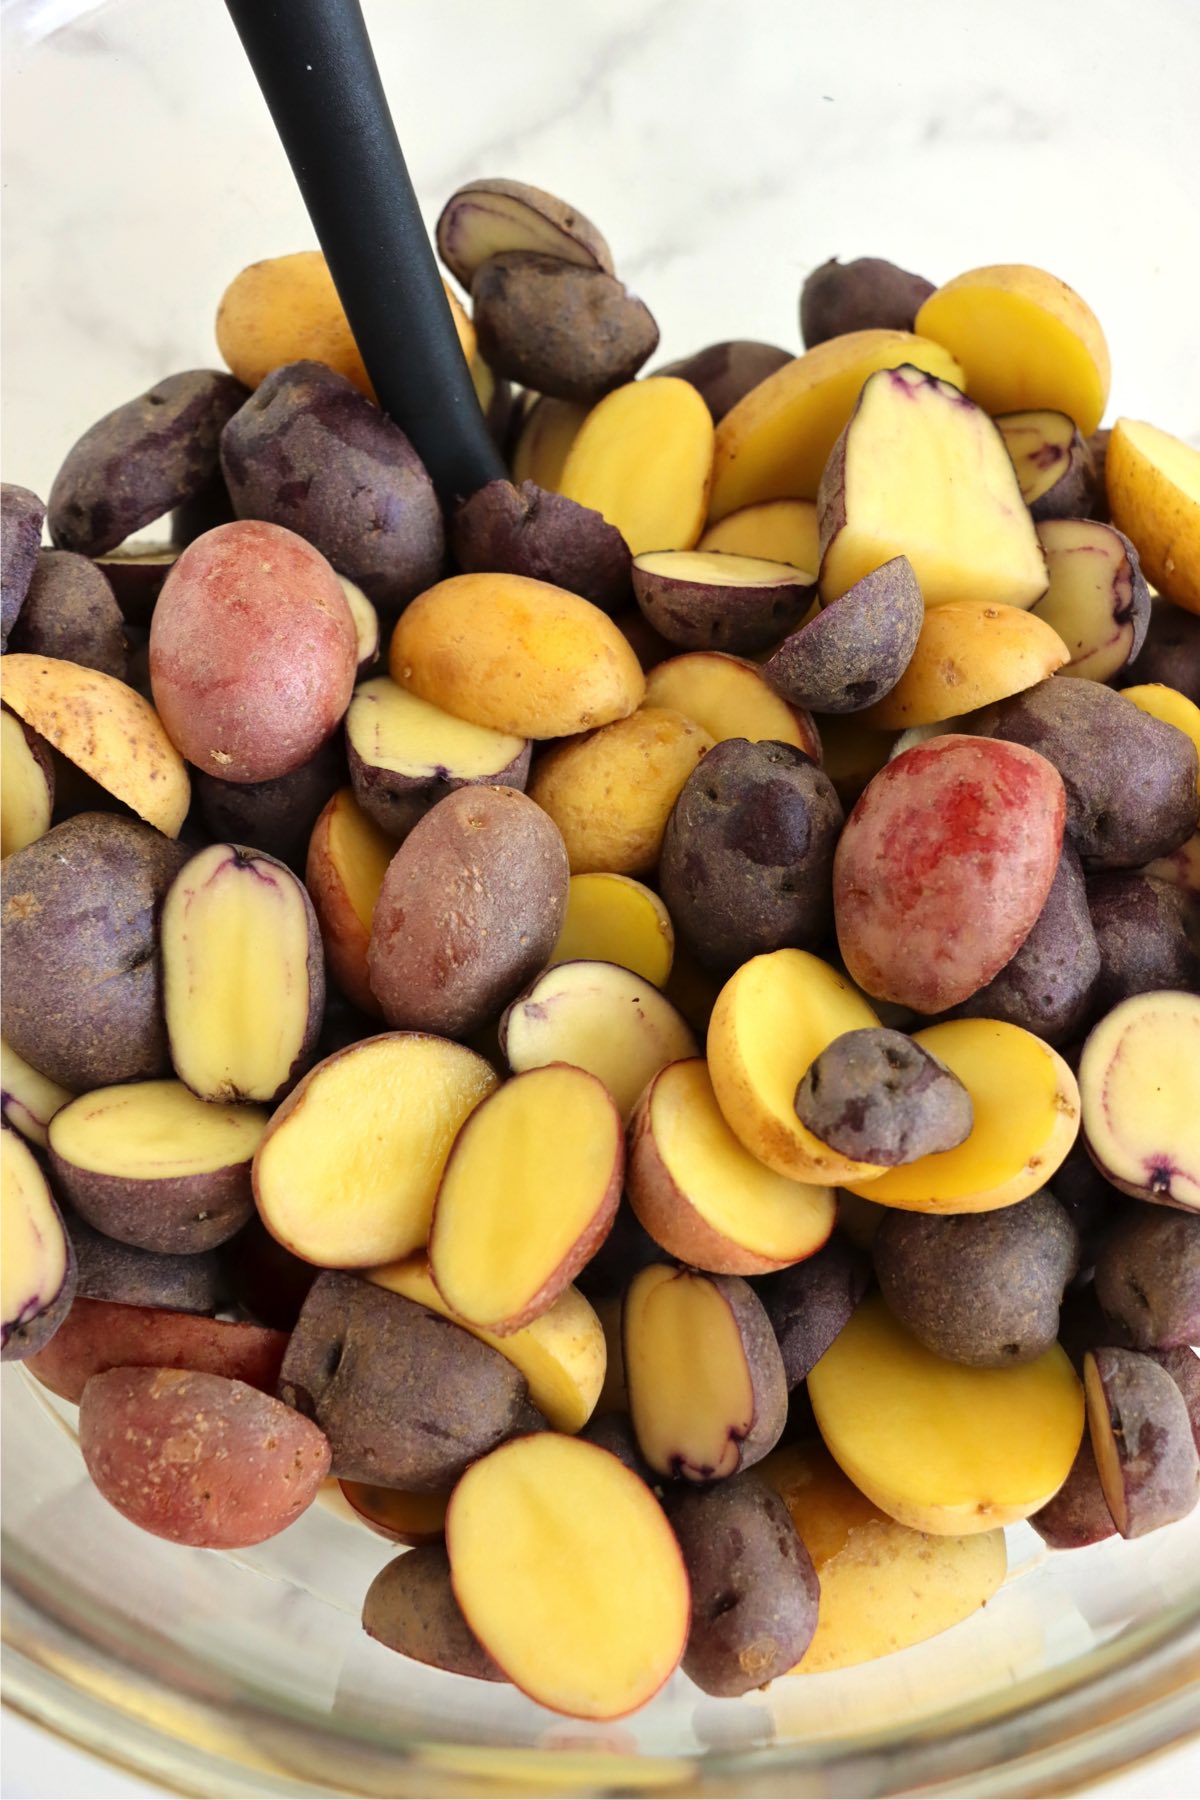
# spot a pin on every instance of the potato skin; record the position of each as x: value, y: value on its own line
x: 248, y: 689
x: 856, y: 649
x: 178, y: 1216
x: 276, y: 816
x: 1148, y: 1277
x: 809, y: 1303
x: 309, y: 452
x: 1048, y: 986
x: 748, y: 852
x: 1171, y: 652
x: 754, y: 1589
x: 983, y: 1289
x: 197, y: 1458
x: 406, y: 1397
x: 110, y: 1270
x: 1183, y: 1366
x: 877, y: 1097
x: 1078, y: 1515
x: 865, y: 295
x: 1130, y: 779
x: 1141, y: 926
x: 410, y: 1607
x: 97, y: 1335
x: 142, y: 459
x: 70, y: 612
x: 471, y: 908
x: 21, y: 516
x: 82, y: 996
x: 612, y: 1431
x: 530, y: 531
x: 722, y: 374
x: 1147, y: 1415
x: 557, y: 327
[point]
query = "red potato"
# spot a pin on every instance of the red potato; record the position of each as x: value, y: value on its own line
x: 943, y: 867
x: 100, y: 1334
x: 253, y: 652
x: 199, y: 1459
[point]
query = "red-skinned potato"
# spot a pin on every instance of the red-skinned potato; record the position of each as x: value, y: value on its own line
x: 253, y: 652
x: 943, y: 867
x: 1139, y: 1084
x: 70, y: 612
x: 1055, y: 466
x: 198, y: 1458
x: 856, y: 649
x: 864, y: 295
x: 97, y: 1335
x: 531, y: 531
x: 37, y: 1276
x: 348, y: 856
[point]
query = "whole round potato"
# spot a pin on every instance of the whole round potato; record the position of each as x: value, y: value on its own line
x: 82, y: 997
x: 21, y: 516
x: 253, y: 652
x: 863, y: 295
x: 71, y: 612
x: 556, y: 327
x: 979, y: 1288
x: 1144, y: 929
x: 1148, y: 1277
x: 748, y: 852
x: 310, y: 452
x: 275, y: 816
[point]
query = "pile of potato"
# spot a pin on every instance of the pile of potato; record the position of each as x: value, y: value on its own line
x: 678, y: 1088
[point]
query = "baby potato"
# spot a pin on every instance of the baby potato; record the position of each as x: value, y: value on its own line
x: 37, y: 1274
x: 110, y: 1270
x: 486, y: 218
x: 26, y: 785
x: 868, y: 294
x: 530, y: 531
x: 70, y: 612
x: 1148, y: 1277
x: 276, y: 817
x: 1144, y: 929
x: 21, y: 517
x: 856, y: 649
x: 558, y: 327
x: 968, y: 655
x: 722, y: 373
x: 97, y: 1335
x: 879, y: 1097
x: 410, y: 1607
x: 1153, y: 485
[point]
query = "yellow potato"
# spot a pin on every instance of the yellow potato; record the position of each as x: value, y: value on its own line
x: 1026, y: 1107
x: 105, y: 729
x: 643, y: 458
x: 781, y: 530
x: 1153, y: 482
x: 517, y: 655
x: 969, y: 654
x: 26, y: 786
x: 1167, y: 704
x: 883, y: 1585
x: 1025, y: 341
x: 612, y: 918
x: 774, y: 444
x: 728, y: 697
x: 611, y: 793
x: 549, y: 429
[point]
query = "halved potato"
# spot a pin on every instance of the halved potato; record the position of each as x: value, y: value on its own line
x: 487, y: 218
x: 970, y: 653
x: 613, y: 918
x: 26, y: 785
x: 1054, y: 464
x: 37, y: 1268
x: 1153, y: 482
x: 28, y: 1099
x: 783, y: 531
x: 727, y: 697
x: 711, y: 600
x: 398, y: 1514
x: 348, y: 857
x: 643, y: 458
x: 1097, y: 601
x: 548, y: 430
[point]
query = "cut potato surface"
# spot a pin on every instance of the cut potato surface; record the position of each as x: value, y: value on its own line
x: 1026, y: 1109
x: 921, y: 472
x: 30, y: 1099
x: 154, y: 1130
x: 105, y: 729
x: 562, y: 1354
x: 540, y: 454
x: 783, y: 531
x: 1153, y: 482
x: 483, y: 219
x: 613, y: 918
x: 969, y: 654
x: 1024, y: 339
x: 883, y: 1585
x: 728, y: 697
x: 26, y: 787
x: 1054, y: 466
x: 243, y: 974
x: 770, y: 1023
x: 528, y: 1195
x: 348, y: 857
x: 938, y: 1446
x: 701, y: 1195
x: 366, y: 623
x: 599, y: 1017
x: 347, y: 1173
x: 643, y: 459
x: 774, y: 444
x: 569, y: 1575
x: 405, y: 1518
x: 1139, y: 1078
x: 37, y: 1269
x: 395, y: 730
x: 1097, y: 601
x: 712, y: 600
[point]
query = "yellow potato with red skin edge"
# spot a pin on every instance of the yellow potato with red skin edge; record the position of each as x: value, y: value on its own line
x: 1153, y: 483
x: 348, y: 857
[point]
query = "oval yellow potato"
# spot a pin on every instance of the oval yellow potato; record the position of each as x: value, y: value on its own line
x: 643, y: 457
x: 771, y: 1021
x: 774, y: 444
x: 1026, y: 1106
x: 106, y: 729
x: 611, y: 794
x: 547, y: 432
x: 1025, y: 340
x: 1153, y: 483
x: 517, y: 655
x: 613, y: 918
x: 969, y: 654
x: 1169, y: 705
x: 727, y: 696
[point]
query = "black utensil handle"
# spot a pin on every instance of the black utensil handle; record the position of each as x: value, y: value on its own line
x: 315, y: 66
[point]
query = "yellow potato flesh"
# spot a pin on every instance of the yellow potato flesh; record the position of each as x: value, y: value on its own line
x: 1140, y: 1080
x: 691, y: 1396
x: 530, y: 1179
x: 735, y: 1194
x: 347, y: 1177
x: 31, y: 1099
x: 613, y: 918
x: 1026, y: 1117
x: 598, y: 1017
x: 643, y: 458
x: 395, y: 730
x: 1025, y: 341
x: 721, y: 569
x: 1167, y: 704
x: 727, y: 698
x: 235, y: 988
x: 366, y: 620
x: 105, y: 729
x: 33, y: 1245
x: 780, y: 530
x: 1089, y: 602
x: 569, y: 1575
x: 883, y: 1585
x: 927, y: 477
x: 562, y: 1355
x: 519, y: 656
x: 770, y: 1023
x: 1153, y: 482
x: 156, y: 1129
x: 361, y: 853
x: 774, y: 444
x: 550, y: 429
x: 25, y: 803
x: 938, y: 1446
x: 1040, y: 446
x: 969, y: 654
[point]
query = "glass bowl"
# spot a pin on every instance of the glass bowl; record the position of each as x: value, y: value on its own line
x: 724, y: 151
